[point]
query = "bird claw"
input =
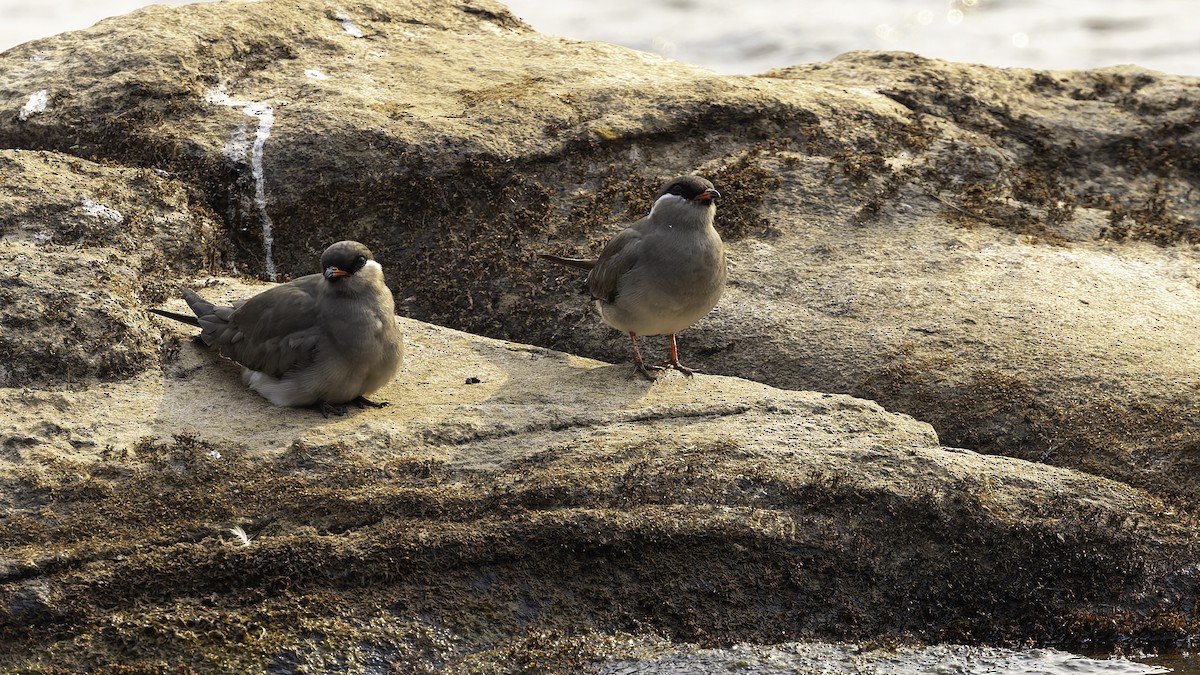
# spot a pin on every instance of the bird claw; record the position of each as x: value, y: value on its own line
x: 327, y: 409
x: 667, y: 365
x: 675, y: 365
x: 363, y: 402
x: 340, y: 410
x: 645, y: 371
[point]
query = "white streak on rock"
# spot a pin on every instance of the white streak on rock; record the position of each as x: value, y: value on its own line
x: 238, y: 148
x: 37, y: 103
x: 348, y: 25
x: 101, y: 211
x: 316, y: 74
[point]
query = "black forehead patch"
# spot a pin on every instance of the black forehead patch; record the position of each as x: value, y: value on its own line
x: 686, y: 186
x: 348, y: 256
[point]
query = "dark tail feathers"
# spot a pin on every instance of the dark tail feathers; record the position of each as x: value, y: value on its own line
x: 181, y: 318
x: 585, y: 264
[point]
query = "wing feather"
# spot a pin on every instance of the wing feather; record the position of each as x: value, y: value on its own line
x: 272, y: 332
x: 620, y: 254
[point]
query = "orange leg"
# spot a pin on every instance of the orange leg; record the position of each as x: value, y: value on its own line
x: 674, y: 361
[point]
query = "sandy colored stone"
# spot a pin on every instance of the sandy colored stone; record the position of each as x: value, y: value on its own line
x: 83, y: 249
x: 1005, y: 253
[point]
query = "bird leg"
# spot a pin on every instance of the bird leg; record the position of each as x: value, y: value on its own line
x: 673, y: 362
x: 637, y: 360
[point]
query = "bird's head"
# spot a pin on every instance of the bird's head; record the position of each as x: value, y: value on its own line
x: 686, y: 197
x: 345, y: 259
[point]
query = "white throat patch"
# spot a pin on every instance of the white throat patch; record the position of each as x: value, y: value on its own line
x: 667, y: 202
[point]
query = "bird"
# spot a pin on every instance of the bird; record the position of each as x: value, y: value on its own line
x: 323, y: 340
x: 663, y: 273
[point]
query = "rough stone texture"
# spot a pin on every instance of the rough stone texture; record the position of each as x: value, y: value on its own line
x: 535, y: 505
x: 1005, y: 254
x: 840, y: 659
x: 83, y: 248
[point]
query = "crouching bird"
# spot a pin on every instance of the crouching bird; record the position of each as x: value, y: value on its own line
x: 664, y: 272
x: 324, y: 339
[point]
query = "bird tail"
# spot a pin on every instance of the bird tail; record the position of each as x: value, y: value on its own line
x: 585, y: 264
x: 181, y: 318
x: 199, y: 306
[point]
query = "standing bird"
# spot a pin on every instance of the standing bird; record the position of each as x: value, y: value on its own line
x: 323, y: 339
x: 664, y: 272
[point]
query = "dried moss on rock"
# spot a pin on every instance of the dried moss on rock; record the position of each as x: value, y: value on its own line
x: 469, y: 520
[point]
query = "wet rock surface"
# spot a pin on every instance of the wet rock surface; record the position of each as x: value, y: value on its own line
x: 1005, y: 255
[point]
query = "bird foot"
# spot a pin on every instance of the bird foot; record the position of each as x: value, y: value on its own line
x: 364, y: 402
x: 340, y: 410
x: 645, y: 370
x: 675, y: 365
x: 328, y: 409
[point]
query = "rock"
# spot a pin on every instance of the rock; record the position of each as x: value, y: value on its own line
x: 147, y: 217
x: 32, y: 603
x: 67, y: 317
x: 1004, y: 254
x: 841, y: 658
x: 556, y: 493
x: 85, y: 248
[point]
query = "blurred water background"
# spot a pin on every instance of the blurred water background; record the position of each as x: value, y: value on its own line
x: 752, y: 36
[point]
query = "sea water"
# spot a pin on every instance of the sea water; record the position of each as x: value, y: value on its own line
x: 751, y: 36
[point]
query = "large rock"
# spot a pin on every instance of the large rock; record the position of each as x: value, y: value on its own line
x: 1005, y: 254
x: 536, y: 506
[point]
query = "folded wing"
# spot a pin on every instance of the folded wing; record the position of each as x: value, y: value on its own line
x: 272, y: 332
